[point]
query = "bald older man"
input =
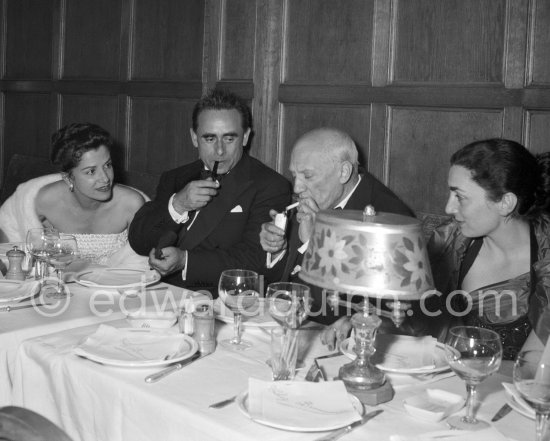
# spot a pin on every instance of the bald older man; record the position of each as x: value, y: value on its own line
x: 325, y: 168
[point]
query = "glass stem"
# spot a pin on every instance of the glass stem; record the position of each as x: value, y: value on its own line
x: 540, y: 425
x: 237, y: 328
x: 470, y: 403
x: 59, y: 279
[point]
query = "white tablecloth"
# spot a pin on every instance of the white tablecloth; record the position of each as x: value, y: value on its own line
x: 86, y: 306
x: 94, y: 402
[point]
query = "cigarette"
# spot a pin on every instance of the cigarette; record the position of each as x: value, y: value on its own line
x: 291, y: 206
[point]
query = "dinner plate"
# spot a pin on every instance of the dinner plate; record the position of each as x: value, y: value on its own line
x: 257, y: 317
x: 16, y: 290
x: 117, y: 277
x: 440, y: 362
x: 242, y: 403
x: 188, y: 347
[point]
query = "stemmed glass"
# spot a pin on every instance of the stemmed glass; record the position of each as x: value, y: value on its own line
x: 65, y: 251
x: 289, y: 305
x: 473, y: 354
x: 532, y: 380
x: 238, y: 290
x: 40, y: 243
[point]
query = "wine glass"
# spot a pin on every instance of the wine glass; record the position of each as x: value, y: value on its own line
x: 289, y: 304
x: 40, y: 244
x: 532, y: 380
x: 65, y: 251
x: 238, y: 290
x: 473, y: 354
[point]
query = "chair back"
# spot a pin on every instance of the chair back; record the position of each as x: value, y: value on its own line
x: 20, y: 424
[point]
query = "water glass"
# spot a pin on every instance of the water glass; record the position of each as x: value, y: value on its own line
x: 284, y: 352
x: 532, y: 380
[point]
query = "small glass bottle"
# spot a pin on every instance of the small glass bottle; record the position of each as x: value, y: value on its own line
x: 203, y: 328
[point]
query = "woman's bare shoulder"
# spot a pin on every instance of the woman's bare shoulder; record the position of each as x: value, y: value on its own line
x: 128, y: 195
x: 51, y: 192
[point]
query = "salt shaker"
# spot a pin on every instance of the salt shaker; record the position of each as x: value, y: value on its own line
x: 15, y: 259
x: 203, y: 328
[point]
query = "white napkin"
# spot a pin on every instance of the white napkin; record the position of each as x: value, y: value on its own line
x: 489, y: 434
x: 300, y: 404
x: 404, y: 352
x: 514, y: 394
x: 116, y: 276
x: 112, y: 343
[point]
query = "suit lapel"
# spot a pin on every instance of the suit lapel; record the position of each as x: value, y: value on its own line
x: 209, y: 217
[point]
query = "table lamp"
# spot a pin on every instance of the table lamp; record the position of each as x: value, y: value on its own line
x: 379, y: 256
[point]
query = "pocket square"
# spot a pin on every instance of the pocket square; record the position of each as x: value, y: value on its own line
x: 237, y: 209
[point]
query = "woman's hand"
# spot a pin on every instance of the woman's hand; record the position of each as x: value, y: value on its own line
x: 333, y: 335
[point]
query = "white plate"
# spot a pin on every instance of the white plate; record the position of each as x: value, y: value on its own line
x: 17, y: 290
x: 117, y: 277
x: 242, y: 403
x: 440, y: 362
x: 188, y: 347
x: 255, y: 318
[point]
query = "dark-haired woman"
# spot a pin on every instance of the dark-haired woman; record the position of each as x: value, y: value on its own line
x: 492, y: 261
x: 83, y: 200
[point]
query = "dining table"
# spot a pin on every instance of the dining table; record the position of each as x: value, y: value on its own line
x: 99, y: 402
x: 39, y: 315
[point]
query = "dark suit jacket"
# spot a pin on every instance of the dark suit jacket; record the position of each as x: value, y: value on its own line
x: 369, y: 191
x: 223, y: 236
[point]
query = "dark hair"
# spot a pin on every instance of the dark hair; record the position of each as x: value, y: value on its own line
x: 72, y: 141
x: 500, y: 166
x: 220, y: 99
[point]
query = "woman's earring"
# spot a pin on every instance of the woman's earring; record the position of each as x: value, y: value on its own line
x: 71, y: 187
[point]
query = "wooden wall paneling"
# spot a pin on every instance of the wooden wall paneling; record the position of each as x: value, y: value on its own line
x: 159, y: 137
x: 434, y: 41
x: 516, y: 42
x: 211, y: 51
x: 29, y: 39
x: 538, y: 72
x: 267, y: 78
x: 92, y: 39
x: 26, y: 125
x: 381, y: 48
x: 299, y: 119
x: 237, y: 40
x: 168, y: 40
x: 538, y: 130
x: 421, y: 142
x: 316, y: 32
x: 377, y: 145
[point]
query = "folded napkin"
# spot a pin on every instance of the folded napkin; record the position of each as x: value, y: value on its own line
x: 404, y: 352
x: 300, y: 404
x: 514, y: 395
x: 116, y: 276
x: 130, y: 345
x: 489, y: 434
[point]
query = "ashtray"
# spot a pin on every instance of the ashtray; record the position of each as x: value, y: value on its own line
x: 149, y: 319
x: 433, y: 404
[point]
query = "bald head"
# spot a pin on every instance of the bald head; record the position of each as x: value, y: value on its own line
x: 324, y: 166
x: 332, y: 144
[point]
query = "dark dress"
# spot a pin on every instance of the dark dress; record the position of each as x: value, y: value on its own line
x: 513, y: 307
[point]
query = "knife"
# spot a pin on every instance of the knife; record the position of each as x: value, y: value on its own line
x: 340, y: 432
x: 30, y: 305
x: 173, y: 368
x: 503, y: 411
